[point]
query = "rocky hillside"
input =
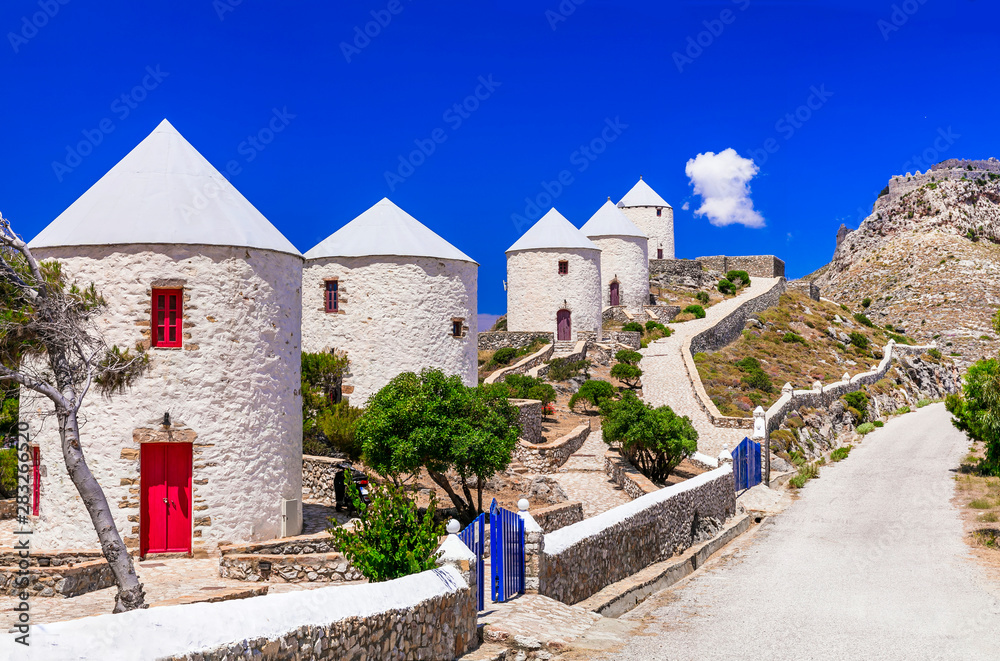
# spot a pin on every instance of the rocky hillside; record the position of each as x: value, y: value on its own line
x: 927, y: 260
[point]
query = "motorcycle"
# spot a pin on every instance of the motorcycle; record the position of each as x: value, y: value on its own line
x: 358, y: 478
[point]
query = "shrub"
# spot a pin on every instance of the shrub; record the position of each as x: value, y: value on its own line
x: 878, y: 423
x: 749, y: 363
x: 504, y: 355
x: 841, y: 453
x: 628, y: 357
x: 863, y: 320
x: 8, y: 473
x: 865, y: 302
x: 792, y: 336
x: 696, y: 310
x: 634, y: 326
x: 758, y: 380
x: 390, y: 538
x: 592, y: 393
x: 860, y: 340
x: 337, y: 425
x: 934, y: 353
x: 652, y: 325
x: 562, y: 369
x: 901, y: 410
x: 726, y: 287
x: 702, y: 297
x: 522, y: 386
x: 859, y: 400
x: 742, y: 276
x: 654, y: 440
x: 806, y: 472
x: 865, y: 428
x: 981, y: 504
x: 627, y: 374
x: 923, y: 402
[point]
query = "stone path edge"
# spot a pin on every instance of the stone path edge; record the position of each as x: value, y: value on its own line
x: 621, y: 597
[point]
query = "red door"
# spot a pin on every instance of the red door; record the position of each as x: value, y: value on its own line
x: 166, y: 498
x: 563, y: 325
x: 614, y: 294
x: 659, y: 253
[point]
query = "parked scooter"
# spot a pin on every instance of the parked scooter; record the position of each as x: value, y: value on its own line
x: 359, y: 479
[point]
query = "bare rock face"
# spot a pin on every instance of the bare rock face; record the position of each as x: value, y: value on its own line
x: 927, y: 259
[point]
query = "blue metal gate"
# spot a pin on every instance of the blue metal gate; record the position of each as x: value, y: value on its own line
x: 506, y: 553
x: 474, y: 537
x: 746, y: 464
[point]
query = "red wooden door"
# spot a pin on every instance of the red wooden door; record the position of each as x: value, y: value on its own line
x: 165, y: 510
x: 563, y: 325
x: 614, y: 294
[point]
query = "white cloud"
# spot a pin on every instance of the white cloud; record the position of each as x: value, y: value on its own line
x: 723, y: 182
x: 686, y: 206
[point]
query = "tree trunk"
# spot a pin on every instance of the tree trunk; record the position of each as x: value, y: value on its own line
x: 465, y: 512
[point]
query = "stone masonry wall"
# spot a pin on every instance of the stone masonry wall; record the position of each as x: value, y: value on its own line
x: 70, y: 580
x: 8, y: 509
x: 493, y: 340
x: 307, y: 568
x: 625, y: 475
x: 759, y: 266
x: 729, y: 329
x: 628, y: 338
x: 554, y: 517
x: 581, y: 559
x: 530, y: 417
x: 548, y: 457
x: 319, y: 542
x: 317, y: 479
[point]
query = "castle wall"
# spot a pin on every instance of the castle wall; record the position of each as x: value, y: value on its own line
x: 659, y: 229
x: 536, y: 291
x: 624, y: 258
x: 760, y: 266
x: 395, y: 316
x: 952, y: 169
x: 232, y: 391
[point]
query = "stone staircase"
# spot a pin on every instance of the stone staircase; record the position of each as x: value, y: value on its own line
x: 563, y: 347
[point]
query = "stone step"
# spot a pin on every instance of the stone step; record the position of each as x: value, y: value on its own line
x: 488, y: 652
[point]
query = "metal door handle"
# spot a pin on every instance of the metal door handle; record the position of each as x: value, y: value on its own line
x: 164, y: 500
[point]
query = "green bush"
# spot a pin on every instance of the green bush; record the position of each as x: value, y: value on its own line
x: 806, y: 472
x: 634, y: 326
x: 923, y: 402
x: 860, y: 340
x: 8, y: 473
x: 652, y: 325
x: 865, y: 428
x: 749, y: 363
x: 522, y: 386
x: 863, y: 320
x: 654, y: 440
x: 504, y: 355
x: 702, y: 297
x: 792, y: 336
x: 758, y: 380
x: 337, y: 425
x: 840, y: 453
x: 628, y: 357
x: 858, y: 400
x: 696, y: 310
x: 562, y: 369
x: 742, y: 276
x: 901, y: 410
x: 878, y: 423
x: 934, y: 353
x: 865, y: 302
x: 390, y: 539
x: 726, y: 287
x: 592, y: 393
x: 627, y: 374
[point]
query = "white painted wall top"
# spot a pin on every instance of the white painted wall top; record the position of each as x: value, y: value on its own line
x: 552, y: 231
x: 642, y: 195
x: 385, y: 229
x: 610, y: 221
x: 163, y: 192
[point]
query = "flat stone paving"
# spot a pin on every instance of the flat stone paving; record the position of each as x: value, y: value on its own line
x: 665, y: 379
x: 583, y: 479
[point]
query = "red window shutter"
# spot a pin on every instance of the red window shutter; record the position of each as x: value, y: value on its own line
x: 168, y: 318
x: 36, y: 480
x: 331, y: 303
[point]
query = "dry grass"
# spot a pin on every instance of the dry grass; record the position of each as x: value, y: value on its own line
x: 978, y: 498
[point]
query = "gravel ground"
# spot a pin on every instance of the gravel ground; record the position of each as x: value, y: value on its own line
x: 665, y: 380
x: 869, y: 563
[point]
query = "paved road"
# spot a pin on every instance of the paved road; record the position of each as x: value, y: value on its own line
x: 869, y: 564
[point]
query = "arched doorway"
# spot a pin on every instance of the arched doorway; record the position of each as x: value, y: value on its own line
x: 615, y: 298
x: 564, y: 327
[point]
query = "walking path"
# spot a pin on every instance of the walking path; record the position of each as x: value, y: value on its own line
x: 665, y: 378
x: 583, y: 479
x: 869, y: 563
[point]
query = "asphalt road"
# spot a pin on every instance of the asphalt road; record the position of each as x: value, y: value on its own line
x: 869, y: 563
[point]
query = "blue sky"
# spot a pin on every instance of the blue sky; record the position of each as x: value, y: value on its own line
x: 675, y: 79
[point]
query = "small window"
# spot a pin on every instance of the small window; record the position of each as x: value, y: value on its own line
x: 659, y: 211
x: 563, y: 267
x: 168, y: 318
x: 456, y: 328
x: 659, y: 253
x: 331, y: 301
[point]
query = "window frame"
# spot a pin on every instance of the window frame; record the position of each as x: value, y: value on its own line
x: 659, y: 211
x: 459, y: 326
x: 178, y: 324
x: 563, y: 267
x: 334, y: 299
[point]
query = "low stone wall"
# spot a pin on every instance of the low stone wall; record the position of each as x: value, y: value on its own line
x: 810, y: 289
x: 70, y: 557
x: 430, y: 615
x: 664, y: 313
x: 627, y: 338
x: 68, y: 580
x: 627, y: 476
x: 319, y: 542
x: 757, y: 266
x: 530, y: 417
x: 548, y: 457
x: 579, y: 353
x: 8, y: 509
x: 728, y: 329
x: 314, y: 567
x: 523, y: 365
x: 579, y: 560
x: 317, y: 479
x: 493, y: 340
x: 554, y: 517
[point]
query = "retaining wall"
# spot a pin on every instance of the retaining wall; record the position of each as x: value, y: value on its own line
x: 579, y: 560
x: 757, y: 266
x: 319, y: 542
x: 530, y: 418
x: 493, y: 340
x: 8, y: 509
x: 523, y: 365
x: 548, y: 457
x: 628, y: 338
x: 67, y: 580
x: 317, y: 479
x: 308, y: 568
x: 627, y: 476
x: 554, y: 517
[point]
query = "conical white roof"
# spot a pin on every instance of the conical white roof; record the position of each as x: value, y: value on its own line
x: 163, y: 192
x: 552, y: 231
x: 642, y: 195
x: 385, y: 229
x: 611, y: 221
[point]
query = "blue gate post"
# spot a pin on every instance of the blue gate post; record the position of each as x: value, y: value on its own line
x: 474, y: 537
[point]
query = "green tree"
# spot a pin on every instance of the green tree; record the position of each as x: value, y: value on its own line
x: 626, y: 369
x: 434, y: 422
x: 977, y: 410
x: 328, y: 423
x: 521, y: 386
x: 592, y: 393
x: 390, y: 539
x: 654, y: 440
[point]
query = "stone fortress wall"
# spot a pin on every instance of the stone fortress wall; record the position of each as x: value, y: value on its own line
x: 759, y: 266
x: 953, y: 169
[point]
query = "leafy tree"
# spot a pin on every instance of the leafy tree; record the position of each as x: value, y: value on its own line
x: 434, y: 422
x: 327, y: 421
x: 634, y: 327
x: 628, y: 357
x: 521, y: 386
x: 592, y: 393
x: 726, y: 286
x: 654, y: 440
x: 51, y: 344
x: 742, y: 276
x: 390, y: 539
x: 977, y: 410
x: 696, y: 310
x: 627, y: 374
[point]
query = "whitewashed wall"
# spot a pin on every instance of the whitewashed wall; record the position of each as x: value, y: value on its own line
x: 397, y: 317
x: 624, y: 258
x: 235, y: 384
x: 660, y: 230
x: 536, y: 291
